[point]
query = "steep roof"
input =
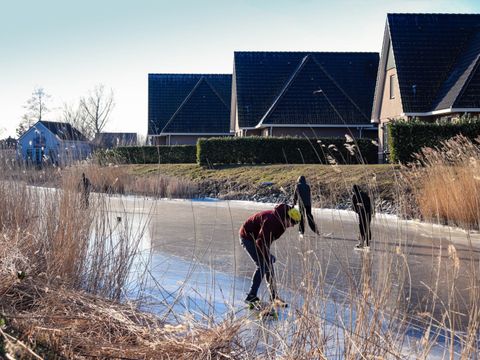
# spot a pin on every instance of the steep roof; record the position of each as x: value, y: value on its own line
x: 63, y: 131
x: 274, y: 88
x: 111, y: 139
x: 436, y: 58
x: 189, y: 103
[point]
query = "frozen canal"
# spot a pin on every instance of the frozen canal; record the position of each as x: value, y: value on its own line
x: 197, y: 256
x: 197, y: 266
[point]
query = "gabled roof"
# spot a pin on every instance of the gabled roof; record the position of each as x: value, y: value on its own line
x: 436, y: 58
x: 274, y: 88
x: 189, y: 103
x: 63, y: 131
x: 111, y: 139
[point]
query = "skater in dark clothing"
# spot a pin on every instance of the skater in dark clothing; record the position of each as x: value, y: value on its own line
x: 303, y: 197
x: 363, y: 207
x: 256, y: 236
x: 85, y: 186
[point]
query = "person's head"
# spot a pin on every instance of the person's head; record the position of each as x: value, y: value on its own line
x: 293, y: 217
x: 301, y: 180
x: 288, y: 215
x: 356, y: 189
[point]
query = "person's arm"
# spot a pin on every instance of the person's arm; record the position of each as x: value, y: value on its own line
x: 355, y: 203
x: 295, y: 196
x: 263, y: 240
x: 371, y: 206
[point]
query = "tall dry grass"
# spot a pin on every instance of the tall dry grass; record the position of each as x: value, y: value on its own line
x: 64, y: 271
x: 444, y: 183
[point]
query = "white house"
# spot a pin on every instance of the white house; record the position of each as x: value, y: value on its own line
x: 53, y: 142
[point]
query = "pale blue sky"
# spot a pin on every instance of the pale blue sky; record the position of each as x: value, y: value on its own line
x: 68, y: 47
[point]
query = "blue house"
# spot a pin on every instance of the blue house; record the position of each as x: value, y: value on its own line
x: 49, y: 142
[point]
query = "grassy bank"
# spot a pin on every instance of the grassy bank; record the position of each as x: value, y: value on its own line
x: 330, y: 184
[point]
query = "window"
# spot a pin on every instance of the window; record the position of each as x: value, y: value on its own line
x: 393, y: 79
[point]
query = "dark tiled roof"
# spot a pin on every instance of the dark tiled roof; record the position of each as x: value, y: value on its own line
x: 63, y: 131
x: 189, y: 103
x: 277, y: 87
x: 435, y: 56
x: 112, y: 139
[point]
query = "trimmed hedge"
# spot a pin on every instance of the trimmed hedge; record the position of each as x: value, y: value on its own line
x: 175, y: 154
x: 407, y: 138
x: 288, y: 150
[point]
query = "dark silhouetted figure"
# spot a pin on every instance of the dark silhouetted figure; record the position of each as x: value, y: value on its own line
x: 303, y: 198
x: 85, y: 187
x: 256, y: 235
x: 363, y: 207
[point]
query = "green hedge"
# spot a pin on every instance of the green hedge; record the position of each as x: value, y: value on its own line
x: 407, y: 138
x: 271, y: 150
x: 175, y: 154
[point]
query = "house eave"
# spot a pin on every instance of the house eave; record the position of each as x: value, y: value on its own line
x: 443, y: 111
x: 185, y: 134
x: 263, y: 126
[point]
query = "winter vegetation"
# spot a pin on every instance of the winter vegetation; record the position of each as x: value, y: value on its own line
x: 73, y: 279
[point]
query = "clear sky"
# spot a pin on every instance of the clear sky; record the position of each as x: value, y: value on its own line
x: 67, y: 47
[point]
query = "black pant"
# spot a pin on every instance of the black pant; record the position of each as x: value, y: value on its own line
x: 364, y: 220
x: 264, y: 267
x: 306, y: 211
x: 85, y: 197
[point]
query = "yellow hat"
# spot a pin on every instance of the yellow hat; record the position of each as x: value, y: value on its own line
x: 294, y: 214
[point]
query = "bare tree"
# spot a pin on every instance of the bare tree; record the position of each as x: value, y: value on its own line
x: 76, y: 116
x: 98, y: 106
x: 36, y: 107
x: 24, y: 124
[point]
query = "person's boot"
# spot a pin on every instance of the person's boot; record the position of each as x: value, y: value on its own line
x: 252, y: 299
x: 279, y: 302
x: 359, y: 246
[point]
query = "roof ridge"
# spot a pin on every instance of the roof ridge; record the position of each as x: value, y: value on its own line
x: 284, y: 89
x: 189, y: 96
x: 473, y: 70
x: 190, y: 74
x: 182, y: 104
x: 428, y: 14
x: 340, y: 88
x: 217, y: 94
x: 469, y: 70
x: 55, y: 122
x: 306, y: 52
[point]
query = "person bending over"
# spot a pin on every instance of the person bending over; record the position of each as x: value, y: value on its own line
x: 256, y: 236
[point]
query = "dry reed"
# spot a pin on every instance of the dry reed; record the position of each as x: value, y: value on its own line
x: 444, y: 183
x: 61, y: 262
x: 63, y: 274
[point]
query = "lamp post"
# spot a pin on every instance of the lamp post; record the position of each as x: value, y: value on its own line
x: 320, y: 91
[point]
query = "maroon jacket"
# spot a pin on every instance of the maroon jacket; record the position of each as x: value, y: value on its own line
x: 265, y: 227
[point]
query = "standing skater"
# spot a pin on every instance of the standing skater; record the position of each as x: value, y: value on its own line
x: 85, y: 186
x: 363, y: 207
x: 303, y: 197
x: 256, y: 236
